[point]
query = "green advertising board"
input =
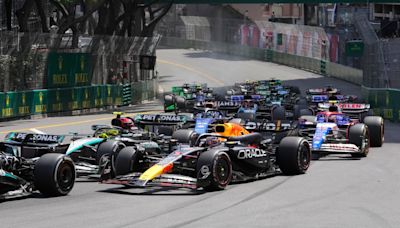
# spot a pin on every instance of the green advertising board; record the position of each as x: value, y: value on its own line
x: 68, y: 70
x: 24, y: 101
x: 39, y: 104
x: 354, y: 48
x: 98, y: 96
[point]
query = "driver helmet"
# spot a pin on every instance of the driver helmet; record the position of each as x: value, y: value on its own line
x: 126, y: 123
x: 333, y: 108
x: 212, y: 141
x: 247, y: 103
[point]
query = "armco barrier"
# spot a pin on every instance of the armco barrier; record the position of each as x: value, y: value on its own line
x: 384, y: 101
x: 59, y: 100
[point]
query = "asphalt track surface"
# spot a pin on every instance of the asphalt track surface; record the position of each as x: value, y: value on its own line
x: 336, y: 192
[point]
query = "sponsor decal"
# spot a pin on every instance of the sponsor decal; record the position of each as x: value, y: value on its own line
x: 319, y: 98
x: 38, y: 137
x: 162, y: 118
x: 278, y: 126
x: 251, y: 153
x: 202, y: 125
x: 351, y: 106
x: 205, y: 172
x: 227, y: 103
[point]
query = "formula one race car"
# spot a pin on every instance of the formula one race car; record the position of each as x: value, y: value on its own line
x: 336, y: 133
x: 30, y: 163
x: 208, y: 161
x: 356, y: 111
x: 327, y: 90
x: 184, y: 97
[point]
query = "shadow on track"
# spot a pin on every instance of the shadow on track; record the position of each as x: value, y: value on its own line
x: 153, y: 191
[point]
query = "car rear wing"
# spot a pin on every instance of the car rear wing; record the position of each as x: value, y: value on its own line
x: 270, y: 126
x: 161, y: 119
x: 30, y: 137
x: 317, y: 91
x: 347, y: 107
x: 240, y: 98
x: 21, y: 138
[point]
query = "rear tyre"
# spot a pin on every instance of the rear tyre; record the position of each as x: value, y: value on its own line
x: 165, y: 130
x: 278, y: 113
x: 246, y: 116
x: 54, y: 174
x: 358, y: 135
x: 306, y: 112
x: 308, y: 118
x: 180, y: 102
x: 108, y: 148
x: 302, y: 101
x: 127, y: 161
x: 185, y: 136
x: 294, y: 155
x: 376, y: 130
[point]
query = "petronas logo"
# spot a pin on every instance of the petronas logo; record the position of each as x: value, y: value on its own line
x: 60, y: 63
x: 23, y: 99
x: 82, y: 62
x: 40, y: 97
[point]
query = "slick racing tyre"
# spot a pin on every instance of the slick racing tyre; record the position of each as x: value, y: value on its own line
x: 294, y: 155
x: 168, y: 100
x: 296, y: 110
x: 376, y: 130
x: 246, y: 116
x: 108, y: 148
x: 54, y: 174
x: 303, y: 102
x: 214, y: 170
x: 127, y: 161
x: 180, y: 102
x: 358, y: 135
x: 278, y: 113
x: 185, y: 136
x: 306, y: 112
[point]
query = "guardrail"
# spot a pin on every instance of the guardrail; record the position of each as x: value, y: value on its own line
x: 60, y: 100
x: 384, y: 102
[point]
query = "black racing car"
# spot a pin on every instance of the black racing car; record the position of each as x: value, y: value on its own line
x: 31, y: 163
x: 207, y: 162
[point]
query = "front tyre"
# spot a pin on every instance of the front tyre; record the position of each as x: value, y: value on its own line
x: 358, y: 135
x: 127, y: 161
x: 294, y: 155
x: 217, y: 167
x: 54, y: 174
x: 376, y: 130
